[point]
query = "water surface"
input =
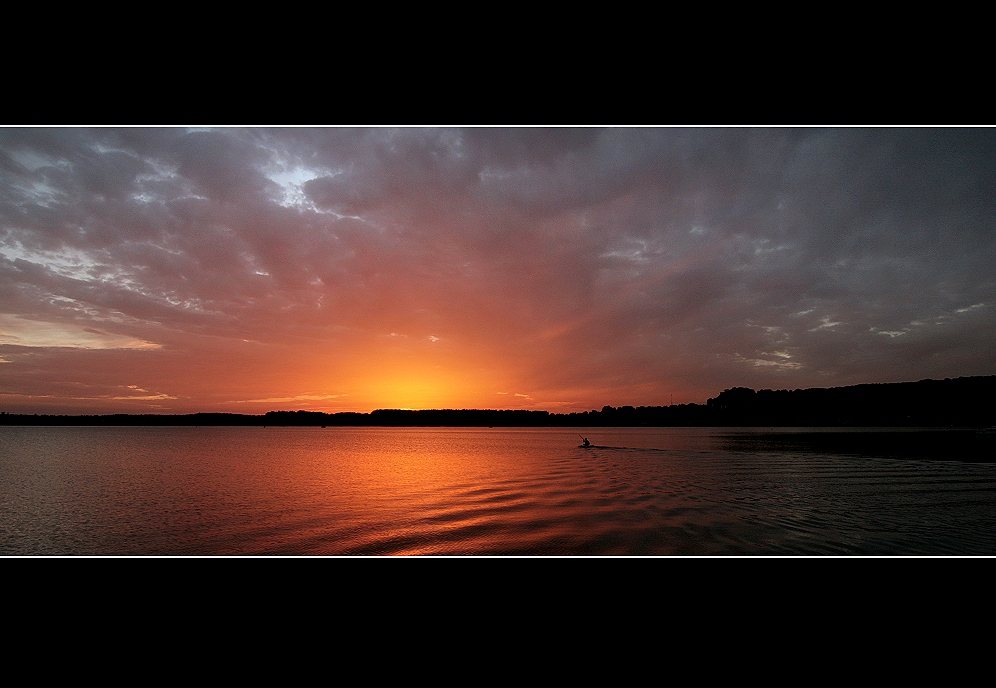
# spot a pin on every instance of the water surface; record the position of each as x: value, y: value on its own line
x: 482, y: 491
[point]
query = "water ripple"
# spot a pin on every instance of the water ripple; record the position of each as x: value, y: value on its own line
x: 364, y: 491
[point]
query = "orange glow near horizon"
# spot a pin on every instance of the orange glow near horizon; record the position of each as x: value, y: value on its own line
x: 367, y: 371
x: 405, y: 387
x: 244, y: 270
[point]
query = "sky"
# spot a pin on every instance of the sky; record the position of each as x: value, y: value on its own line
x: 243, y: 270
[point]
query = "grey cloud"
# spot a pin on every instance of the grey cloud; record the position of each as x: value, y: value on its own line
x: 609, y: 253
x: 347, y: 193
x: 223, y: 166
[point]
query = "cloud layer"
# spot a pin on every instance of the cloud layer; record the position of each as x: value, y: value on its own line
x: 561, y: 268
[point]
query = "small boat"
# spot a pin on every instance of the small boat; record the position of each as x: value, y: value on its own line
x: 586, y: 445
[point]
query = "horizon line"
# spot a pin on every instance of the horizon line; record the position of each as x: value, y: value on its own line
x: 494, y: 410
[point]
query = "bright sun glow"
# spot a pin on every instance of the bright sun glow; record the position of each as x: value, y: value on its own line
x: 415, y: 389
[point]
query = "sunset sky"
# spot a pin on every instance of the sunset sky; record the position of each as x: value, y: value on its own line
x: 184, y: 269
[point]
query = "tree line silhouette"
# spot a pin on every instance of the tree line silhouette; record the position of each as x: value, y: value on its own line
x: 958, y: 402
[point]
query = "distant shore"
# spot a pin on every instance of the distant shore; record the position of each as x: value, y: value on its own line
x: 966, y: 402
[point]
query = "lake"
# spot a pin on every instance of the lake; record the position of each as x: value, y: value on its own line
x: 195, y: 491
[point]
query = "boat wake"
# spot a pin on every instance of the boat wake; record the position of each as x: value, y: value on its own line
x: 635, y: 449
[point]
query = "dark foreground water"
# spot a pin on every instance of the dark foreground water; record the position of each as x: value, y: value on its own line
x: 480, y: 491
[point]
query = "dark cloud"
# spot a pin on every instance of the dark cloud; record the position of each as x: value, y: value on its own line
x: 223, y: 166
x: 576, y: 266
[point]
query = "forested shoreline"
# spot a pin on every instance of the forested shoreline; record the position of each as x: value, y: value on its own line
x: 958, y: 402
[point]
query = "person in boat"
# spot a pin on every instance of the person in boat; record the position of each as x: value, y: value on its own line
x: 586, y: 443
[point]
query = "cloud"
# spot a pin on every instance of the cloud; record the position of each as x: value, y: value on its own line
x: 606, y: 265
x: 282, y: 400
x: 30, y: 333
